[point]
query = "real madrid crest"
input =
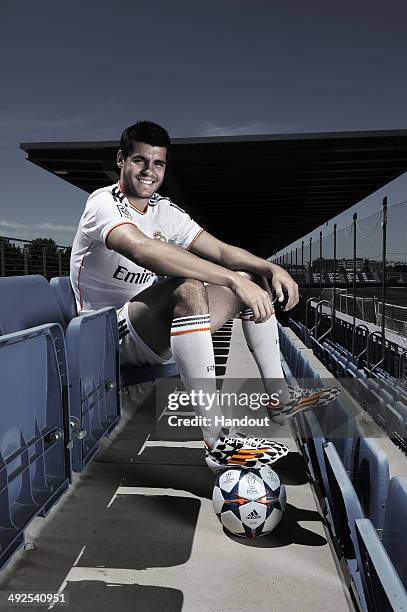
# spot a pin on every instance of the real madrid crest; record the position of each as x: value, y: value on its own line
x: 157, y: 235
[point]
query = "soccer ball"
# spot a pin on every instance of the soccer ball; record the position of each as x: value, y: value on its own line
x: 249, y: 503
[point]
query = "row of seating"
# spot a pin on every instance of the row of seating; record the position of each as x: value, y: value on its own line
x: 365, y: 510
x: 59, y: 387
x: 380, y: 394
x: 60, y: 383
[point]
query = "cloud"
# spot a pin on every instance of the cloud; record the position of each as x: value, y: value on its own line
x: 26, y: 125
x: 208, y: 128
x: 62, y: 234
x: 37, y: 226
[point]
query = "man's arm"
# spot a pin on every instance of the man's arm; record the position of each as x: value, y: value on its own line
x: 235, y: 258
x: 170, y: 260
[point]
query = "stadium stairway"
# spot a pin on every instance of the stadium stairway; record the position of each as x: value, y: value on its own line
x: 137, y: 530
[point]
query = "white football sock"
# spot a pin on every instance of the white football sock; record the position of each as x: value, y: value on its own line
x: 263, y: 342
x: 191, y: 345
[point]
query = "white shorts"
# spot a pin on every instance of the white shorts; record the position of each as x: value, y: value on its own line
x: 133, y: 350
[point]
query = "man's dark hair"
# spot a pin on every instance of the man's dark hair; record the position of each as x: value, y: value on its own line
x: 144, y: 131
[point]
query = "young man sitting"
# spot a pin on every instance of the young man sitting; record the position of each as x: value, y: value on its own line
x: 127, y: 236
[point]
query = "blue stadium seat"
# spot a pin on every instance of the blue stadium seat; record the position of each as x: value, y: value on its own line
x: 383, y: 588
x: 129, y: 375
x: 344, y: 510
x: 394, y: 391
x: 348, y: 355
x: 386, y: 396
x: 361, y: 374
x: 343, y: 360
x: 374, y: 404
x: 370, y: 477
x: 394, y: 530
x: 61, y: 286
x: 351, y: 366
x: 92, y: 353
x: 396, y: 425
x: 401, y: 408
x: 317, y: 349
x: 327, y: 361
x: 299, y: 365
x: 312, y: 441
x: 34, y: 461
x: 373, y: 384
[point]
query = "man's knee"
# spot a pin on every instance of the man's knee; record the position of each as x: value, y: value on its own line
x: 190, y: 291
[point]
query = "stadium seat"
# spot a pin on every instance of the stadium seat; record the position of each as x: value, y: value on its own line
x: 92, y: 352
x: 401, y: 408
x: 312, y: 442
x: 299, y: 365
x: 344, y: 509
x: 361, y: 374
x: 394, y: 530
x: 370, y: 477
x: 374, y: 404
x: 393, y: 391
x: 373, y: 384
x: 129, y: 375
x: 326, y: 356
x: 343, y: 360
x: 34, y: 461
x: 351, y: 366
x: 61, y: 286
x: 382, y: 586
x: 396, y: 426
x: 342, y: 373
x: 386, y: 396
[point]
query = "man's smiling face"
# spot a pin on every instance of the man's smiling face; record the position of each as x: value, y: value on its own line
x: 142, y: 172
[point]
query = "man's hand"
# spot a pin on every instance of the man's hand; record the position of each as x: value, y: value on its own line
x: 282, y: 280
x: 256, y: 298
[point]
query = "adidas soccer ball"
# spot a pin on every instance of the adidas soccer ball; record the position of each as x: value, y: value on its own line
x: 249, y: 503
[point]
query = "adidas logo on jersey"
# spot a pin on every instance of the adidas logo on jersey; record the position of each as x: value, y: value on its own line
x: 123, y: 210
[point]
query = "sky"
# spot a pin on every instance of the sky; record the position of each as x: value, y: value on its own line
x: 85, y: 70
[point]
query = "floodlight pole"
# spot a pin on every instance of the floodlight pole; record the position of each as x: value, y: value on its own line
x: 355, y: 216
x: 320, y: 260
x: 334, y: 287
x: 384, y: 227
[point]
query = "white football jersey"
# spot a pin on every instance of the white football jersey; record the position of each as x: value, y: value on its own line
x: 100, y: 276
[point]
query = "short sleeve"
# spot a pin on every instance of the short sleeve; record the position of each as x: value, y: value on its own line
x: 102, y: 214
x: 184, y: 229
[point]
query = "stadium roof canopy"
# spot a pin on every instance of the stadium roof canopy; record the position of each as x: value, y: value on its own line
x: 260, y: 192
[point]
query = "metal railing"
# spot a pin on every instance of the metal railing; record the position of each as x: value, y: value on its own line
x: 39, y: 256
x: 367, y: 259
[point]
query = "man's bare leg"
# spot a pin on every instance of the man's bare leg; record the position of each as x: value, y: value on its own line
x: 175, y: 314
x: 181, y: 314
x: 152, y: 311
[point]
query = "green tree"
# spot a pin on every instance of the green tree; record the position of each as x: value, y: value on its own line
x: 42, y: 257
x: 12, y: 260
